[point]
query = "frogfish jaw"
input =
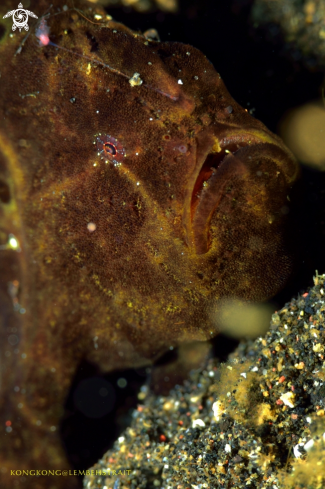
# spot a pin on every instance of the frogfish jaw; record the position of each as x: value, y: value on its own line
x: 237, y: 210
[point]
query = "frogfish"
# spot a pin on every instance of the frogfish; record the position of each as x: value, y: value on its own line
x: 135, y: 195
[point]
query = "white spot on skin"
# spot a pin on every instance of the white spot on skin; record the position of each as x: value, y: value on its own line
x: 91, y: 226
x: 135, y: 81
x: 180, y: 82
x: 182, y: 148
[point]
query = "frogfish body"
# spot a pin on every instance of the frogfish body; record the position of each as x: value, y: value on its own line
x: 135, y: 194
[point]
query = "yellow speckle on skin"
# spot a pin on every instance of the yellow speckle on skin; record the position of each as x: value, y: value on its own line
x: 216, y: 147
x: 88, y: 69
x: 270, y: 219
x: 13, y: 243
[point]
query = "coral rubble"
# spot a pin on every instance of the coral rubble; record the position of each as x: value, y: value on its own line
x: 248, y: 423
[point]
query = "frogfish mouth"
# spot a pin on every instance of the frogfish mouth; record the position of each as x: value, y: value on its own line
x: 233, y: 169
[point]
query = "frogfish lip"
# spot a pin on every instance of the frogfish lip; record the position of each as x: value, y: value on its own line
x: 221, y: 161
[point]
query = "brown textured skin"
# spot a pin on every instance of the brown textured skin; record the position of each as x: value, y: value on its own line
x: 151, y: 274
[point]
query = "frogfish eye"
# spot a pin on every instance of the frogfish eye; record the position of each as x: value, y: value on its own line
x: 109, y: 148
